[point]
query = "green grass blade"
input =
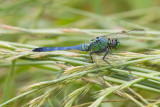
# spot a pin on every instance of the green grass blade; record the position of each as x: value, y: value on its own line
x: 7, y: 88
x: 17, y: 97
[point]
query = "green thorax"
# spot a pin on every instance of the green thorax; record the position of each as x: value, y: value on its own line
x: 99, y: 44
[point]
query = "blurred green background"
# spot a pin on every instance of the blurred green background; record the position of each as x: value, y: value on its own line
x: 82, y: 14
x: 79, y: 13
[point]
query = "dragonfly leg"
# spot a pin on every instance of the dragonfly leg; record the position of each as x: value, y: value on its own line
x: 97, y: 52
x: 109, y: 47
x: 101, y: 78
x: 105, y: 56
x: 91, y: 56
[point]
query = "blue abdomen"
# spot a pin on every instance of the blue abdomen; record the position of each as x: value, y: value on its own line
x: 82, y: 47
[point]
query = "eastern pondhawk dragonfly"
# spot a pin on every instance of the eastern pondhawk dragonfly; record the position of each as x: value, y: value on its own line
x: 98, y: 45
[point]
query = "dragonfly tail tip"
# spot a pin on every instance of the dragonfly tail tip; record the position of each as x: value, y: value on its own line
x: 37, y: 50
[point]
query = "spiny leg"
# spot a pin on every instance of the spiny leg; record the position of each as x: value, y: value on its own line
x: 109, y: 47
x: 91, y: 56
x: 94, y: 52
x: 99, y: 71
x: 105, y: 56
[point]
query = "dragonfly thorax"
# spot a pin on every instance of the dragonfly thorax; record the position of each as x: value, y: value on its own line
x: 98, y: 44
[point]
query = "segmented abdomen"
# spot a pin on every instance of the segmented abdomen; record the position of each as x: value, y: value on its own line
x: 82, y: 47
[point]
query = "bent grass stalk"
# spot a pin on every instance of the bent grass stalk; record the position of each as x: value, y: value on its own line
x: 75, y: 76
x: 144, y: 18
x: 9, y: 82
x: 67, y: 57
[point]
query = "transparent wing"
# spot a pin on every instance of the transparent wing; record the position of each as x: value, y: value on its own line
x: 124, y: 33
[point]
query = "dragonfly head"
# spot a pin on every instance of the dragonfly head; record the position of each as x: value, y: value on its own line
x: 115, y: 43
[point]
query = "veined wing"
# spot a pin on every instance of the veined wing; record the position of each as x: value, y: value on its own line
x: 124, y: 33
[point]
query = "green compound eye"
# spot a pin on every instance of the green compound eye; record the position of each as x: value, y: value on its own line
x: 118, y: 44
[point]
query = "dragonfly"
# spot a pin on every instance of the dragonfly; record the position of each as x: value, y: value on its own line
x: 98, y: 45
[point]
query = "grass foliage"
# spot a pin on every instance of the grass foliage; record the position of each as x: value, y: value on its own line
x: 68, y: 78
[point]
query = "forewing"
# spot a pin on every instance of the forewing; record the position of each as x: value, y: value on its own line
x: 124, y: 33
